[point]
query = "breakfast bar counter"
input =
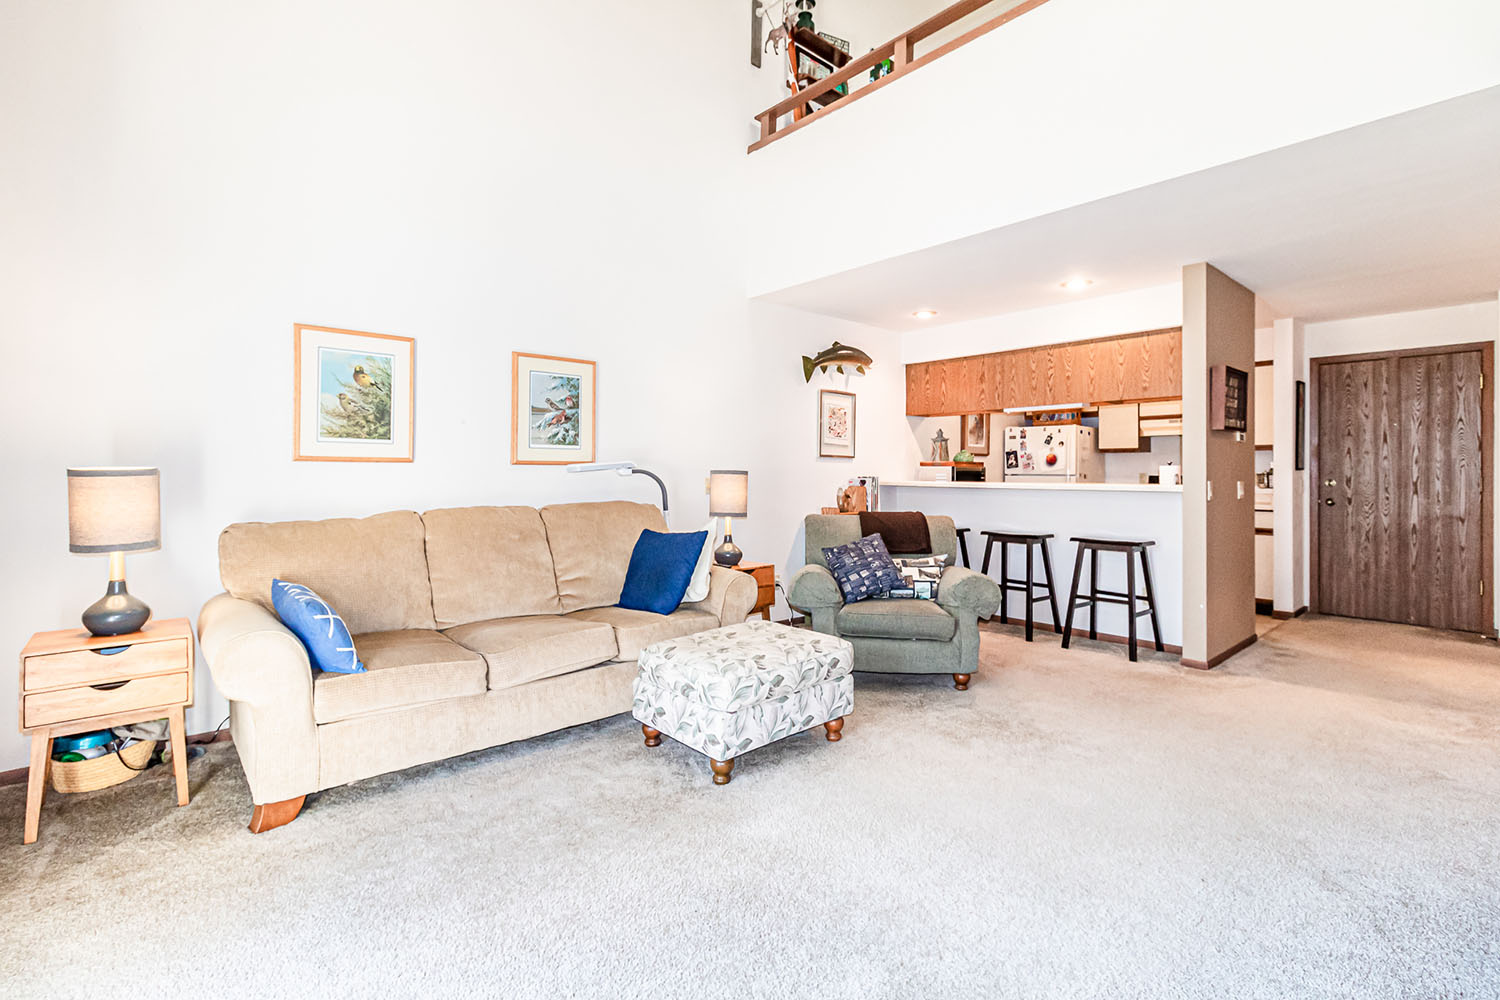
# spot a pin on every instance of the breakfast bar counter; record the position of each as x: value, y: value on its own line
x: 1095, y: 510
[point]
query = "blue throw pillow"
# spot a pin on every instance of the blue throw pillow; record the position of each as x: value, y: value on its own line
x: 322, y: 631
x: 661, y: 567
x: 863, y: 569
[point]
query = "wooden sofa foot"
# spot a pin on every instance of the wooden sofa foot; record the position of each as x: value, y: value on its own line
x: 653, y: 736
x: 834, y: 729
x: 961, y: 682
x: 721, y: 770
x: 270, y: 815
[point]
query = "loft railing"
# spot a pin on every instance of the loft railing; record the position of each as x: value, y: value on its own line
x: 900, y: 51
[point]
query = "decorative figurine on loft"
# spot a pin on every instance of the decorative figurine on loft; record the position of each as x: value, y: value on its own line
x: 779, y: 16
x: 940, y: 447
x: 804, y: 15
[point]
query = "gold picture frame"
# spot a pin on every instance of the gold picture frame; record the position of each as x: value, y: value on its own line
x: 553, y: 417
x: 353, y: 395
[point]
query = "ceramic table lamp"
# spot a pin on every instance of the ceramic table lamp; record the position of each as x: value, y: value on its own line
x: 728, y: 496
x: 114, y: 511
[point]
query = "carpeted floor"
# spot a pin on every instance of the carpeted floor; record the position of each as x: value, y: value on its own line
x: 1320, y: 818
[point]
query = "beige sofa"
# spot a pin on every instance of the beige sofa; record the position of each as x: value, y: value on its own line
x: 477, y: 626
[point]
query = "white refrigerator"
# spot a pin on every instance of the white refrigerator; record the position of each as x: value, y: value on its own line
x: 1061, y: 453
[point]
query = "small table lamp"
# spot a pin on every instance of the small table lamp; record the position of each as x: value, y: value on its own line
x: 114, y: 511
x: 728, y: 496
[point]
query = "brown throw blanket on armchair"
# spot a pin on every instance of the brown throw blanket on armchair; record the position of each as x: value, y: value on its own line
x: 903, y: 531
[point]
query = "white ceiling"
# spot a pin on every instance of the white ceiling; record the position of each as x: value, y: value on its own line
x: 1400, y: 214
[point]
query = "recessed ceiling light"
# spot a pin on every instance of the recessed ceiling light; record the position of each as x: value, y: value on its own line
x: 1076, y: 284
x: 925, y: 313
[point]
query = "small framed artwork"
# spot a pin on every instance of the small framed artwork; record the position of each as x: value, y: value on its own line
x: 552, y: 419
x: 835, y: 424
x: 354, y: 395
x: 1301, y: 425
x: 1229, y: 399
x: 974, y: 436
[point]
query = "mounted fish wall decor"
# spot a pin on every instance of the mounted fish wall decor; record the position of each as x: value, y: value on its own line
x: 836, y: 357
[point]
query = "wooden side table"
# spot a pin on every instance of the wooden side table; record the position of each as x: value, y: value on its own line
x: 765, y: 582
x: 69, y: 684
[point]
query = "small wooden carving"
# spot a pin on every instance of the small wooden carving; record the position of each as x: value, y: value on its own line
x: 853, y: 499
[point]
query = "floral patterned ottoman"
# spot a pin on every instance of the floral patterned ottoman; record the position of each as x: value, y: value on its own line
x: 732, y: 689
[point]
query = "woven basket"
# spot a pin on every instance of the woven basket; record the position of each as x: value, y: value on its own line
x: 101, y: 772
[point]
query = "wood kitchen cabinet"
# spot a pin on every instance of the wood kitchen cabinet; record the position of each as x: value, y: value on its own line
x: 1130, y: 367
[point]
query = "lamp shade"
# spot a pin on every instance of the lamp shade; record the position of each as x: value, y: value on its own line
x: 728, y: 492
x: 114, y: 510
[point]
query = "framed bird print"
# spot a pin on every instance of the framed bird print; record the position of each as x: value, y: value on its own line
x: 354, y: 395
x: 552, y: 410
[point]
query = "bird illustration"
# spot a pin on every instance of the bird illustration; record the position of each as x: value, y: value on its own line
x: 362, y: 378
x: 351, y: 406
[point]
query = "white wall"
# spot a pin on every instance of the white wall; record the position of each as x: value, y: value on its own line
x: 1156, y: 308
x: 1466, y: 324
x: 1078, y: 100
x: 188, y: 179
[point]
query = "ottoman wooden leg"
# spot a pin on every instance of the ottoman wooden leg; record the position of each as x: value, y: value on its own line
x: 961, y: 682
x: 834, y: 728
x: 653, y: 736
x: 721, y: 770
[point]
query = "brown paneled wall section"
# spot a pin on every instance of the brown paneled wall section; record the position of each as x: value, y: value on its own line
x: 1135, y: 366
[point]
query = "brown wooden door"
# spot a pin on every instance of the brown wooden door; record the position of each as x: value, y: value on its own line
x: 1398, y: 496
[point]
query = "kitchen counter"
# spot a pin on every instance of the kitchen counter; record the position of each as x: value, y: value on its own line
x: 1067, y: 487
x: 1110, y: 510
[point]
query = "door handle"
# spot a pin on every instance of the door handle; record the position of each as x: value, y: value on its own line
x: 1329, y: 502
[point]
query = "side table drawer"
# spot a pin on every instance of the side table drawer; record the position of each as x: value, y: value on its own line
x: 67, y: 704
x: 84, y: 666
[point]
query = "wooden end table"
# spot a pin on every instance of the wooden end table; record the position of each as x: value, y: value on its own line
x: 69, y: 684
x: 764, y: 575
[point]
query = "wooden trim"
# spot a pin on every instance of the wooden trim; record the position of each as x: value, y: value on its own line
x: 1264, y: 364
x: 1287, y: 615
x: 1265, y: 531
x: 1214, y: 661
x: 1487, y: 451
x: 995, y: 625
x: 411, y: 391
x: 515, y: 432
x: 769, y: 117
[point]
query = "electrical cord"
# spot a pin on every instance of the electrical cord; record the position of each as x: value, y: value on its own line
x: 119, y: 745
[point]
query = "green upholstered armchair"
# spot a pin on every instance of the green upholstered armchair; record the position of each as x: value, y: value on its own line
x: 898, y: 636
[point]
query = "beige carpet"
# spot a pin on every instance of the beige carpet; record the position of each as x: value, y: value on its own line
x: 1321, y: 818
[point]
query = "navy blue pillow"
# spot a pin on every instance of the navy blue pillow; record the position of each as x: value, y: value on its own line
x: 322, y: 631
x: 661, y: 567
x: 863, y: 569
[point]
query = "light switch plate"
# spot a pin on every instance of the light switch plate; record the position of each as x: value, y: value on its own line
x: 1210, y: 486
x: 1239, y: 489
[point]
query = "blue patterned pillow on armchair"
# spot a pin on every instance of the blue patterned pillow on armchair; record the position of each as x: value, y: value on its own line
x: 863, y: 568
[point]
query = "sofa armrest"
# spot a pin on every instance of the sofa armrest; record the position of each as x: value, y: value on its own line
x: 262, y: 668
x: 731, y: 595
x: 963, y: 591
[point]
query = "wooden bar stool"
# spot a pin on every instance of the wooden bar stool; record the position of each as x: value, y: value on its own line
x: 1095, y: 597
x: 1006, y: 539
x: 963, y: 546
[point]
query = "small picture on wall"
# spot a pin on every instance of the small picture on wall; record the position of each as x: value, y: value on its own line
x: 974, y: 436
x: 835, y: 424
x: 354, y: 395
x: 552, y: 417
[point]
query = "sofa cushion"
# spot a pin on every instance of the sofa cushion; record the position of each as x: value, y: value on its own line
x: 402, y: 668
x: 488, y: 562
x: 635, y: 630
x: 591, y: 545
x: 530, y: 648
x: 330, y: 647
x: 373, y: 569
x: 895, y: 620
x: 863, y: 569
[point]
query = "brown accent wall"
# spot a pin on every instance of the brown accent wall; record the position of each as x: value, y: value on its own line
x: 1218, y: 535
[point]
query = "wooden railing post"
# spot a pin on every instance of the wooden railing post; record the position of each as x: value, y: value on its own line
x: 905, y: 49
x: 767, y: 124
